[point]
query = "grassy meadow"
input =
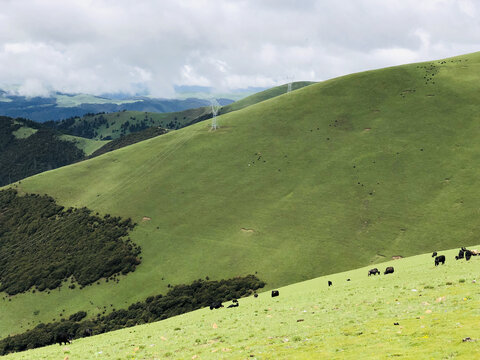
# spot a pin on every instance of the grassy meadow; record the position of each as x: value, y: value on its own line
x: 333, y: 176
x: 435, y: 308
x: 262, y: 96
x: 88, y: 146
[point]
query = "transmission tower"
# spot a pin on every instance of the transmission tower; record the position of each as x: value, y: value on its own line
x: 289, y: 87
x: 289, y: 83
x: 215, y: 107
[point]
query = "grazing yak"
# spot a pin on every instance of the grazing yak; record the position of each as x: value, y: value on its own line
x: 434, y: 254
x: 62, y: 338
x: 373, y: 271
x: 461, y: 253
x: 235, y: 304
x: 440, y: 259
x: 389, y: 270
x: 275, y: 293
x: 255, y: 295
x: 216, y: 305
x: 330, y: 283
x: 468, y: 255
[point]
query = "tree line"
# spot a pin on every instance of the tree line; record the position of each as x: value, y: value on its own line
x: 42, y: 245
x: 179, y: 300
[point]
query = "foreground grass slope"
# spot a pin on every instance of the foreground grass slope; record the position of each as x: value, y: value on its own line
x: 330, y: 177
x: 435, y: 308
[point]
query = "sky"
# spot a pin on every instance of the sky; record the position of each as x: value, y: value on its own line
x: 150, y: 47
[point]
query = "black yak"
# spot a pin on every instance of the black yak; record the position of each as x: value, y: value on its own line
x: 389, y: 270
x: 62, y: 338
x: 440, y: 259
x: 216, y: 305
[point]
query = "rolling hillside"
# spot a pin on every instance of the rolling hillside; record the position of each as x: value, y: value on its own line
x: 28, y: 148
x: 333, y: 176
x: 418, y: 312
x: 62, y: 106
x: 262, y: 96
x: 114, y: 125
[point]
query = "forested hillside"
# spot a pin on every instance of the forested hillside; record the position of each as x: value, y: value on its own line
x: 26, y: 148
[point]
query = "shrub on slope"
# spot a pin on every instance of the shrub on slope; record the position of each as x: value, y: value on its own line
x: 179, y: 300
x: 41, y: 244
x: 129, y: 140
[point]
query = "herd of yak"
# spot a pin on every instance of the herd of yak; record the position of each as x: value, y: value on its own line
x: 439, y: 259
x: 463, y: 253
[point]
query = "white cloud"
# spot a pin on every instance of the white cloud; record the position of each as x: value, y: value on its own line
x: 106, y: 46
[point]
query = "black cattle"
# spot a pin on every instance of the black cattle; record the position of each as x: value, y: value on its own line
x: 389, y: 270
x: 216, y: 305
x: 255, y: 295
x: 275, y: 293
x: 373, y: 271
x: 460, y: 253
x: 468, y: 255
x: 232, y: 305
x: 62, y: 338
x: 434, y: 254
x: 440, y: 259
x: 330, y: 283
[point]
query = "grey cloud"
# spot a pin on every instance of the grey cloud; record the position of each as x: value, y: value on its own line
x: 121, y: 46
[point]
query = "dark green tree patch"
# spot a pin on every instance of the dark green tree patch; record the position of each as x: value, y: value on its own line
x: 179, y: 300
x: 130, y: 139
x: 20, y: 158
x: 42, y: 244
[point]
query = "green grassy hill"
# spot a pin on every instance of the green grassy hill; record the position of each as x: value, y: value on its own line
x: 330, y: 177
x: 435, y: 308
x: 263, y: 95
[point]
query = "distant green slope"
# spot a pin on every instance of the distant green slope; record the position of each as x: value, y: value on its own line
x: 114, y: 125
x: 28, y: 148
x: 435, y: 308
x: 128, y: 140
x: 332, y: 176
x: 263, y: 95
x: 87, y: 145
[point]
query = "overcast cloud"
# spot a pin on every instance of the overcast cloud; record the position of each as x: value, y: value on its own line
x: 109, y: 46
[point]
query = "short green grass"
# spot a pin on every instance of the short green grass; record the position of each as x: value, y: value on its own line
x: 24, y: 132
x: 88, y: 146
x: 435, y: 310
x: 263, y: 95
x: 330, y: 177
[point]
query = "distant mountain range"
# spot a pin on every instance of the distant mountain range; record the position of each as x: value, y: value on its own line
x: 62, y: 106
